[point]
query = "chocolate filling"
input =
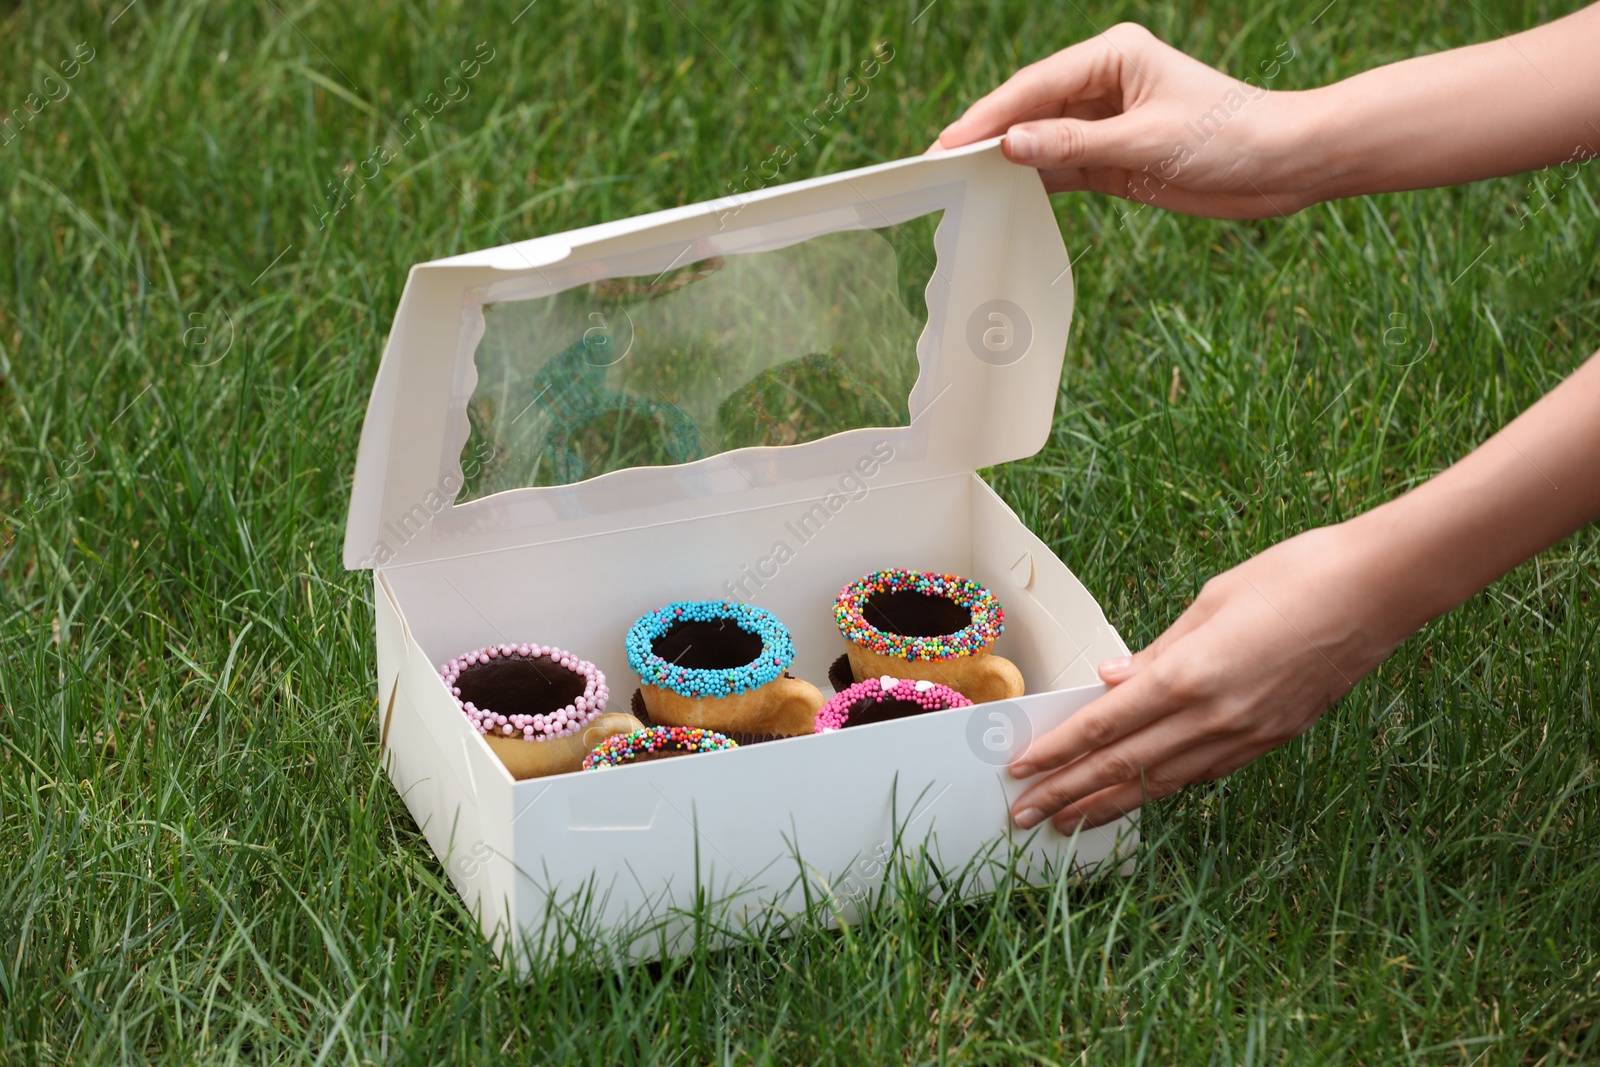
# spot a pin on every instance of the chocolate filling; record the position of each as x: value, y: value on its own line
x: 913, y: 614
x: 511, y: 685
x: 867, y: 711
x: 709, y: 645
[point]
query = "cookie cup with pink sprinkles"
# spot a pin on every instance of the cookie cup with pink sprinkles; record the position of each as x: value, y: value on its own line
x: 540, y: 709
x: 884, y: 700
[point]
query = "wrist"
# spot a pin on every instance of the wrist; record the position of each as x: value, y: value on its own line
x: 1396, y: 555
x: 1366, y: 583
x: 1310, y: 149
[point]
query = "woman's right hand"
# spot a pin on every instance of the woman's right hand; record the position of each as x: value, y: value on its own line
x: 1127, y: 115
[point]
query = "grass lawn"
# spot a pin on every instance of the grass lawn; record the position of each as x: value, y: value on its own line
x: 200, y: 858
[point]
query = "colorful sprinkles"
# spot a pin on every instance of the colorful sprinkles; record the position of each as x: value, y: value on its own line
x: 988, y: 620
x: 559, y: 723
x: 777, y: 649
x: 625, y: 748
x: 930, y: 695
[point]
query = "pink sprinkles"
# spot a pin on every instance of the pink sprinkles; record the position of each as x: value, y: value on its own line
x: 931, y: 696
x: 561, y: 722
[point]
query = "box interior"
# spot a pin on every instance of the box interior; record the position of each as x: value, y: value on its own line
x: 791, y: 558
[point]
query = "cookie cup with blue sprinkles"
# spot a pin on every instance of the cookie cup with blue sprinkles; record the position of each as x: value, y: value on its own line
x: 927, y: 626
x: 723, y: 666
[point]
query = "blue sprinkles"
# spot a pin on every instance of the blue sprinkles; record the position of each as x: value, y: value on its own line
x: 777, y: 649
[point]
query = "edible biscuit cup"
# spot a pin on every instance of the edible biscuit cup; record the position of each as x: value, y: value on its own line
x: 540, y: 709
x: 719, y: 665
x: 936, y: 627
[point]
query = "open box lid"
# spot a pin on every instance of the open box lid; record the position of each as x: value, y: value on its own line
x: 998, y: 307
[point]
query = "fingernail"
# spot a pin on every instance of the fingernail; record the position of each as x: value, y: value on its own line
x: 1024, y: 144
x: 1028, y: 818
x: 1120, y: 665
x: 1022, y: 770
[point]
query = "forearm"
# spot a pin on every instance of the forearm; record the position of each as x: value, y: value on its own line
x: 1524, y: 489
x: 1501, y: 107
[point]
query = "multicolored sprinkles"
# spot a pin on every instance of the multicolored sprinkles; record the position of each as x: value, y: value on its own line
x: 625, y: 748
x: 988, y: 620
x: 930, y: 695
x: 777, y: 649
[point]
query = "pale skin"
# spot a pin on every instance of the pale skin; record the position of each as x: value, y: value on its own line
x: 1270, y: 645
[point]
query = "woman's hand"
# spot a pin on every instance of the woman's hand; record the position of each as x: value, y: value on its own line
x: 1260, y: 655
x: 1269, y: 645
x: 1126, y: 115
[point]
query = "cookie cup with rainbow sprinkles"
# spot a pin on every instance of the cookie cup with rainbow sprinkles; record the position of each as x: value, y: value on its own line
x: 924, y: 626
x: 540, y: 709
x: 653, y: 743
x: 720, y: 665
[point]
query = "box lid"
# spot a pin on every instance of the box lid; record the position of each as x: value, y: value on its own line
x: 999, y: 304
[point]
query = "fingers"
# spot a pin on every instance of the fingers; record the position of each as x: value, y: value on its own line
x: 1141, y: 696
x: 1108, y: 719
x: 1129, y: 707
x: 1053, y: 144
x: 1132, y: 759
x: 1119, y: 670
x: 1118, y: 801
x: 1090, y: 68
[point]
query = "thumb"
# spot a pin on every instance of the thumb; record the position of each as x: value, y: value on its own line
x: 1051, y: 144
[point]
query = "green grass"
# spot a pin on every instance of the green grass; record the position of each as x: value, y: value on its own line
x: 199, y: 856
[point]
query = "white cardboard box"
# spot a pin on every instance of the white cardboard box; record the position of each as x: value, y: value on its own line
x: 762, y: 828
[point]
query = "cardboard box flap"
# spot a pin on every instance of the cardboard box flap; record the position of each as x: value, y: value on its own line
x: 764, y: 347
